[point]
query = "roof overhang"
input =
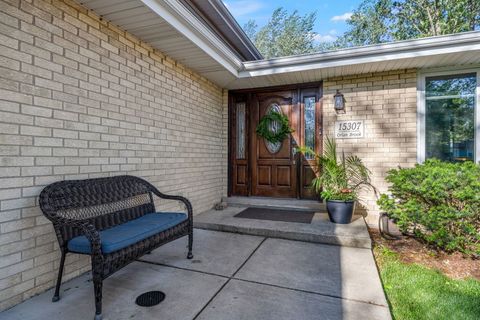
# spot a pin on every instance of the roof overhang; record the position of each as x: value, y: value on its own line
x: 203, y: 35
x: 190, y: 26
x: 367, y: 54
x: 180, y: 32
x: 451, y: 50
x: 217, y: 16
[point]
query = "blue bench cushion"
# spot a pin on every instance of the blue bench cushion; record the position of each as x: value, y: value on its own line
x: 128, y: 233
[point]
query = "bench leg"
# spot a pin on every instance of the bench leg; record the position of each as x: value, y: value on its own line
x: 56, y: 295
x: 190, y: 245
x: 97, y: 287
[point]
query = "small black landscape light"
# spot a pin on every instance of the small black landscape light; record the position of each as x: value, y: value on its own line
x: 339, y: 101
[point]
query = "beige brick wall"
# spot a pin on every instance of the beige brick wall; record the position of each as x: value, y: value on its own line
x: 225, y: 142
x: 387, y: 104
x: 80, y: 98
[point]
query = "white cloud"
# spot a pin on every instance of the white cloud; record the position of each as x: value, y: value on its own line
x: 243, y: 7
x: 324, y: 38
x: 344, y: 17
x: 328, y: 37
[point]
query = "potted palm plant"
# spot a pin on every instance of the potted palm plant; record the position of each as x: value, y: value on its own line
x: 338, y: 180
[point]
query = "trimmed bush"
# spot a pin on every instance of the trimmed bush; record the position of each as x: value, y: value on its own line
x: 438, y: 202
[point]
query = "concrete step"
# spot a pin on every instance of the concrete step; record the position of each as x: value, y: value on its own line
x: 280, y: 203
x: 320, y: 230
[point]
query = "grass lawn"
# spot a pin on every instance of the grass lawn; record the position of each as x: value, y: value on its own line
x: 415, y: 292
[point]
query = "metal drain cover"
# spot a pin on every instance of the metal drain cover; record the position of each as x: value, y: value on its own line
x: 150, y: 299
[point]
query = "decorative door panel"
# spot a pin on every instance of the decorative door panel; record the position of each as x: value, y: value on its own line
x: 241, y: 175
x: 276, y: 173
x: 239, y: 171
x: 283, y: 176
x: 310, y: 136
x: 264, y: 176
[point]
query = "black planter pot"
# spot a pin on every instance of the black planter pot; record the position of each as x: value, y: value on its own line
x: 340, y: 211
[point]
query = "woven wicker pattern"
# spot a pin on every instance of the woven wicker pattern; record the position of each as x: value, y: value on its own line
x: 85, y: 207
x: 98, y: 210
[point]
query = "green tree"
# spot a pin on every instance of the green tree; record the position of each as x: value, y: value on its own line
x: 250, y: 28
x: 377, y: 21
x: 374, y: 21
x: 284, y: 34
x: 368, y: 24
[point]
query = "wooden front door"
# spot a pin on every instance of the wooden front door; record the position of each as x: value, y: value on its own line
x: 274, y: 164
x: 260, y: 168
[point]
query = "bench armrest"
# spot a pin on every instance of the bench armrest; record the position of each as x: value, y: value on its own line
x: 185, y: 201
x: 88, y: 230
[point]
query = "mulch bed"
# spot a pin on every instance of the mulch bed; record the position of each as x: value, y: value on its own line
x: 410, y: 250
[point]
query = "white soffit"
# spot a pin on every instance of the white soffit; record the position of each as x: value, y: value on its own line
x: 169, y: 27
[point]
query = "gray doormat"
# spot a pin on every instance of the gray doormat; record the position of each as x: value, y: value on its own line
x: 276, y: 215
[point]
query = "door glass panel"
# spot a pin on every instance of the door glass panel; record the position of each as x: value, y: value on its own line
x: 309, y: 119
x: 274, y: 127
x: 450, y: 117
x: 241, y: 133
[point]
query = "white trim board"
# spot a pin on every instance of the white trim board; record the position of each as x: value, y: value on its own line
x: 195, y: 30
x: 410, y: 49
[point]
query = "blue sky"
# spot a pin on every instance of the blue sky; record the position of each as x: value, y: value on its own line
x: 331, y: 14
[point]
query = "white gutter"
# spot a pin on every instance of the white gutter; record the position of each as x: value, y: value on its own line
x: 468, y: 41
x: 180, y: 18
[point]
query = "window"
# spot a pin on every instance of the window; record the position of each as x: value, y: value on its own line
x: 447, y: 115
x: 274, y: 127
x: 309, y: 115
x: 241, y: 132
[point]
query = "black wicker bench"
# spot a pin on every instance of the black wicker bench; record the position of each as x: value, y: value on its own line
x: 114, y: 221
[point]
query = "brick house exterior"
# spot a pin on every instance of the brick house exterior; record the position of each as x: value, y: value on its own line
x: 82, y: 98
x: 387, y: 102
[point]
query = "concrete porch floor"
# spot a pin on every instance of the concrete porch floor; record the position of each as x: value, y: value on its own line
x: 321, y: 230
x: 232, y: 276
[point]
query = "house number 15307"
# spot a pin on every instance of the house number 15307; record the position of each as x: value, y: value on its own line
x: 349, y: 129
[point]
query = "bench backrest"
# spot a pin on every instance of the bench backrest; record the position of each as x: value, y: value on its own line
x: 104, y: 202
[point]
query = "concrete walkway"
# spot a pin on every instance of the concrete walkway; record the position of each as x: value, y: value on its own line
x: 234, y: 277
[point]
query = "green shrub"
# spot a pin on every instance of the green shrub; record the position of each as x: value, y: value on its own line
x: 438, y: 202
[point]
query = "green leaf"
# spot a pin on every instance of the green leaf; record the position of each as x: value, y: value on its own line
x: 437, y: 202
x: 338, y: 178
x: 263, y: 128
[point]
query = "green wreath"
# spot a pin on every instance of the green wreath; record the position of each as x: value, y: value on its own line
x: 274, y: 137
